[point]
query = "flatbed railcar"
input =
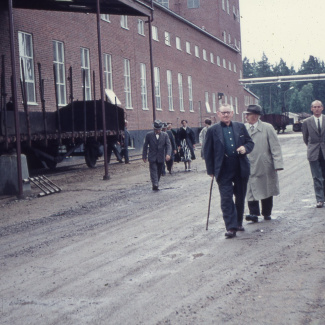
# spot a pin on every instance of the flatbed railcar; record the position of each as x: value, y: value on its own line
x: 278, y: 121
x: 75, y: 130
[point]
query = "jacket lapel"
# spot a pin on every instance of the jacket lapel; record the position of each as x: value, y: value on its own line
x: 219, y: 133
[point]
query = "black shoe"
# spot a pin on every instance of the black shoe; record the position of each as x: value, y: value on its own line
x: 127, y: 162
x: 155, y: 188
x: 267, y: 218
x: 251, y: 217
x: 240, y: 228
x: 319, y: 204
x: 230, y: 234
x: 120, y: 161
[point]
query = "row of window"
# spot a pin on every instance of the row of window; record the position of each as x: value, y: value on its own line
x: 27, y: 72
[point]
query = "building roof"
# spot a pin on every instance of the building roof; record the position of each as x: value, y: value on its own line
x: 114, y: 7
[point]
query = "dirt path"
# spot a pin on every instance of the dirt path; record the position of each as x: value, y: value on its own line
x: 115, y: 252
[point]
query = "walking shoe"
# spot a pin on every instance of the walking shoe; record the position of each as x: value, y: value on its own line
x: 251, y: 217
x: 155, y: 188
x: 320, y: 204
x: 240, y: 228
x: 230, y: 234
x: 267, y: 218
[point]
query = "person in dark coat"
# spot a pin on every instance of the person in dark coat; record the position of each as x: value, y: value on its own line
x: 186, y: 142
x: 174, y: 148
x: 226, y: 147
x: 159, y: 151
x: 125, y: 144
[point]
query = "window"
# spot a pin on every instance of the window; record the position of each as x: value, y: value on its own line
x: 229, y: 65
x: 226, y: 99
x: 236, y: 105
x: 108, y: 71
x: 26, y: 58
x: 180, y: 92
x: 127, y: 84
x: 190, y: 93
x: 224, y: 63
x: 140, y: 27
x: 231, y: 103
x: 170, y: 90
x: 228, y: 7
x: 223, y: 5
x: 205, y: 55
x: 218, y: 60
x: 165, y: 3
x: 105, y: 17
x: 235, y: 68
x: 211, y: 57
x: 197, y: 53
x: 155, y: 33
x: 124, y: 22
x: 178, y: 43
x: 193, y: 4
x: 225, y: 36
x: 188, y: 47
x: 85, y: 72
x: 143, y: 82
x: 157, y: 88
x: 214, y: 106
x: 229, y: 39
x: 207, y: 105
x: 58, y: 61
x: 167, y: 38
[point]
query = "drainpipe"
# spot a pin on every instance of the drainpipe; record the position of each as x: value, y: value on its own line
x: 100, y: 60
x: 150, y: 19
x: 14, y: 98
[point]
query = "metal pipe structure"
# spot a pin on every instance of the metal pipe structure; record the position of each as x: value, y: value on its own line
x: 279, y: 79
x: 15, y: 98
x: 100, y: 62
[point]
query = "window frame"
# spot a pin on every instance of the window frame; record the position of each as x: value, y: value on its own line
x: 59, y: 65
x: 108, y: 71
x: 157, y: 88
x: 143, y: 85
x: 140, y: 27
x: 124, y: 22
x: 127, y: 83
x: 180, y: 92
x: 170, y: 90
x: 85, y: 66
x: 190, y: 93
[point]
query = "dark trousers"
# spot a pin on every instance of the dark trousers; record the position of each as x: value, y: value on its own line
x: 125, y: 155
x: 169, y: 164
x: 317, y: 168
x: 155, y: 172
x: 267, y: 205
x: 112, y: 148
x: 232, y: 184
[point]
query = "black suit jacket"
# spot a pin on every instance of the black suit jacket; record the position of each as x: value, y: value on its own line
x: 214, y: 149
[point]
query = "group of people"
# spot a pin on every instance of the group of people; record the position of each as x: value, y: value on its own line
x: 163, y: 144
x: 243, y: 158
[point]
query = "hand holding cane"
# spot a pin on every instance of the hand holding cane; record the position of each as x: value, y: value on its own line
x: 209, y: 202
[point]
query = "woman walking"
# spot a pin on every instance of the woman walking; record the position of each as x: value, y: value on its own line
x: 186, y: 144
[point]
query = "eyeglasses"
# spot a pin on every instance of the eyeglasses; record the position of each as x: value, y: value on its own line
x: 225, y: 113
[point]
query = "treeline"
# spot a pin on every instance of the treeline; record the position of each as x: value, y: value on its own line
x: 293, y: 97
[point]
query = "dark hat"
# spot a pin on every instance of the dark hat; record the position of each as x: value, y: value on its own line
x: 254, y: 109
x: 157, y: 124
x: 164, y: 125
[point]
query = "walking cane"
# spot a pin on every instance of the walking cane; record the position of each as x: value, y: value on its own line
x: 209, y: 202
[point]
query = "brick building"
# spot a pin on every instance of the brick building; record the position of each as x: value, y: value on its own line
x: 196, y: 49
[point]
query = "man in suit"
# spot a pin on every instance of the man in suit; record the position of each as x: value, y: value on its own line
x: 265, y: 162
x: 313, y: 130
x: 125, y: 143
x: 159, y: 151
x: 226, y: 147
x: 174, y: 148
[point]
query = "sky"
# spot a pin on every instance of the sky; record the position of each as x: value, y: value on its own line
x: 288, y: 29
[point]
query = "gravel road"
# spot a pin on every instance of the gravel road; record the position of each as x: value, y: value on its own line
x: 115, y: 252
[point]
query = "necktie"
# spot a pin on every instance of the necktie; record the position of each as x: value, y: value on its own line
x: 252, y: 128
x: 319, y: 130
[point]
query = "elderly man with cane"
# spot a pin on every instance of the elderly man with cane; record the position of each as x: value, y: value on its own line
x: 226, y: 147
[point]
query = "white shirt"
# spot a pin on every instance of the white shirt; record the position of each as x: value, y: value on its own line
x: 320, y: 121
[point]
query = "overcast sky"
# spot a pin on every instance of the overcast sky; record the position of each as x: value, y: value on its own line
x: 288, y: 29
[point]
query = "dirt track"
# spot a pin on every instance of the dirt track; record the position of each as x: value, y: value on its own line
x: 115, y: 252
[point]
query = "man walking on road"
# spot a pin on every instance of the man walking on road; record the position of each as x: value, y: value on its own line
x: 265, y: 160
x: 226, y: 147
x: 159, y: 151
x: 174, y: 148
x: 313, y: 130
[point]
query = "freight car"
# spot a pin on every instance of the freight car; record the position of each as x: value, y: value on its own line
x: 278, y: 121
x: 74, y: 130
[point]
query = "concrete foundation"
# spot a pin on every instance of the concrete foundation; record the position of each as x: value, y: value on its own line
x: 9, y: 175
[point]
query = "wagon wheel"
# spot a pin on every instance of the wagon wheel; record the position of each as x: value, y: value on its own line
x: 51, y: 164
x: 91, y: 156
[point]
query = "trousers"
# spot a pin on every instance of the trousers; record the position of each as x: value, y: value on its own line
x: 155, y: 169
x: 267, y: 205
x: 231, y: 184
x: 317, y: 169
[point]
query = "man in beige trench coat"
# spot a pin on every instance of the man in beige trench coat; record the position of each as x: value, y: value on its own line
x: 265, y: 160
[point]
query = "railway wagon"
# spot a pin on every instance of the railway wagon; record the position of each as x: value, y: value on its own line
x: 47, y: 138
x: 278, y: 121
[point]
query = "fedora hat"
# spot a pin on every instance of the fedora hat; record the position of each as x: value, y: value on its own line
x: 158, y: 124
x: 254, y: 109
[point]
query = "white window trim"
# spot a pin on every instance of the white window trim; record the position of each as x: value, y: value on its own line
x: 197, y: 51
x: 85, y: 65
x: 60, y: 66
x: 157, y: 89
x: 178, y: 43
x: 124, y: 22
x: 167, y: 39
x: 127, y: 84
x: 155, y: 33
x: 207, y: 105
x: 105, y: 17
x: 180, y: 92
x: 188, y: 47
x: 190, y: 93
x: 204, y: 55
x: 141, y: 27
x: 143, y: 85
x: 108, y: 71
x: 170, y: 90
